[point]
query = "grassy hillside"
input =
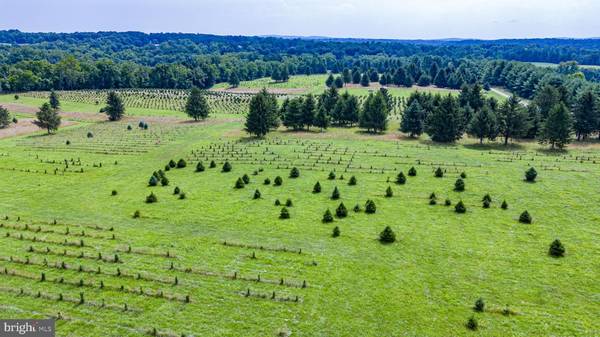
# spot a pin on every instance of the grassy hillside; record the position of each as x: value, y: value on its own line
x: 221, y: 263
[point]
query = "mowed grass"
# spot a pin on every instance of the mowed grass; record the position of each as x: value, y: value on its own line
x: 315, y: 84
x: 425, y: 284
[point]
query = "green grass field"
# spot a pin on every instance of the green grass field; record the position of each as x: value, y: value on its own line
x: 279, y: 277
x: 220, y: 263
x: 315, y: 84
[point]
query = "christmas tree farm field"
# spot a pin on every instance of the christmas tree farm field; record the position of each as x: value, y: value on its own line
x: 198, y: 230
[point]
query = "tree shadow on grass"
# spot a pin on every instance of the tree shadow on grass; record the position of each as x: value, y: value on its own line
x: 495, y: 147
x: 552, y: 152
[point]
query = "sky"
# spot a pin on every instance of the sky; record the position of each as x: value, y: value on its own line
x: 396, y: 19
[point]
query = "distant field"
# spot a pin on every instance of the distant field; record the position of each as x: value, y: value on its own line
x: 554, y: 65
x: 315, y: 84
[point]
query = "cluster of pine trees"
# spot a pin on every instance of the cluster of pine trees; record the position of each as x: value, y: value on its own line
x: 549, y: 117
x: 342, y: 110
x: 331, y: 107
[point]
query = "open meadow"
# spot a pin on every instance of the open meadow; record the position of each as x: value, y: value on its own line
x: 211, y: 256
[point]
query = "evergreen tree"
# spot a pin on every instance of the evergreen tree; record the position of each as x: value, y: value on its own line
x: 341, y: 211
x: 412, y: 172
x: 460, y: 207
x: 234, y: 80
x: 413, y: 119
x: 556, y: 129
x: 317, y: 188
x: 556, y: 249
x: 364, y: 80
x: 293, y: 114
x: 284, y: 214
x: 459, y: 185
x: 47, y: 118
x: 335, y: 194
x: 445, y: 123
x: 512, y: 119
x: 322, y: 118
x: 441, y: 79
x: 114, y: 107
x: 338, y: 82
x: 336, y: 232
x: 483, y: 124
x: 309, y: 107
x: 352, y: 181
x: 370, y: 207
x: 356, y: 77
x: 373, y: 76
x: 388, y: 192
x: 285, y: 75
x: 387, y: 235
x: 373, y: 116
x: 329, y: 81
x: 534, y: 122
x: 587, y: 114
x: 196, y: 105
x: 347, y: 76
x: 199, y: 167
x: 262, y: 115
x: 327, y: 217
x: 54, y: 101
x: 401, y: 178
x: 530, y: 175
x: 546, y: 98
x: 294, y: 172
x: 525, y: 217
x: 4, y: 118
x: 226, y: 167
x: 439, y: 173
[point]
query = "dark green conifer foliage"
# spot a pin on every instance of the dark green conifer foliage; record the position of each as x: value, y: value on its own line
x: 525, y: 217
x: 530, y: 175
x: 387, y: 235
x: 285, y: 214
x: 370, y: 207
x: 317, y: 188
x: 327, y: 217
x: 460, y: 207
x: 239, y: 183
x: 401, y: 178
x: 341, y: 211
x: 556, y: 249
x: 335, y: 194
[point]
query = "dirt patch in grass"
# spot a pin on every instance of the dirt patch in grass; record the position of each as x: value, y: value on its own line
x: 25, y: 126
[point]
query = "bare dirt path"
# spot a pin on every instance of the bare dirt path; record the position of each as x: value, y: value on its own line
x: 25, y: 126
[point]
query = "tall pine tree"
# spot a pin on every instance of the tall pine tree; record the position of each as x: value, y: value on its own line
x: 196, y: 105
x: 262, y: 114
x: 557, y: 128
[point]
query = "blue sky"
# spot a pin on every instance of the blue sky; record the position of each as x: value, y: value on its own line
x: 337, y: 18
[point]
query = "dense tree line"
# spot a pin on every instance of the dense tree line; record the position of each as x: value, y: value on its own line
x: 552, y: 117
x: 43, y: 61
